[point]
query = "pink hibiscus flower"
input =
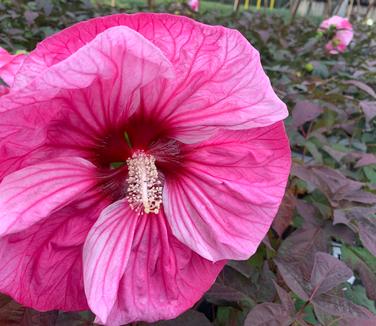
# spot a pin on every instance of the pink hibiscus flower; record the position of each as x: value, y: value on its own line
x: 138, y: 153
x: 341, y: 32
x: 9, y: 65
x: 194, y: 4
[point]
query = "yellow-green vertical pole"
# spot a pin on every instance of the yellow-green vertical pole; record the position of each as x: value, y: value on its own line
x: 246, y: 4
x: 272, y: 4
x: 258, y: 4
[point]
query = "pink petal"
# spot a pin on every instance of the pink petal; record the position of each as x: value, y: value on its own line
x: 335, y: 21
x: 80, y: 116
x: 20, y: 139
x: 31, y: 194
x: 345, y: 24
x: 106, y: 255
x: 104, y: 64
x: 219, y: 79
x: 345, y: 36
x: 4, y: 90
x: 330, y: 48
x: 10, y: 65
x: 223, y: 202
x: 163, y: 277
x: 41, y: 267
x: 58, y: 47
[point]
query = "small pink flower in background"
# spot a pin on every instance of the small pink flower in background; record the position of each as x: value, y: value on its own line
x: 194, y: 4
x: 137, y: 154
x: 342, y: 34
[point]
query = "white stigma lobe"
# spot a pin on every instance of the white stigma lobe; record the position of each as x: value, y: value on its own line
x: 144, y: 189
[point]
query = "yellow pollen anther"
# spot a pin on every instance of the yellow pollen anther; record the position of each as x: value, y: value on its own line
x: 144, y: 189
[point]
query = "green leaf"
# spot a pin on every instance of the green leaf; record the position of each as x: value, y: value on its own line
x: 370, y: 174
x: 115, y: 165
x: 309, y: 315
x: 312, y: 148
x: 364, y: 263
x: 127, y: 139
x: 357, y: 294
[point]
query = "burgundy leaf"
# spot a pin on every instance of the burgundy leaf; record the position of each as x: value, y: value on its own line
x: 83, y: 318
x: 189, y: 318
x: 265, y: 289
x: 327, y: 273
x: 221, y: 294
x: 231, y: 277
x: 30, y: 16
x: 305, y: 111
x: 264, y: 35
x: 364, y: 87
x: 367, y: 233
x: 285, y: 213
x: 4, y: 300
x: 369, y: 109
x: 339, y: 306
x: 358, y: 321
x: 333, y: 184
x: 267, y: 243
x: 267, y: 314
x: 257, y: 286
x: 363, y: 216
x: 293, y: 278
x: 300, y: 248
x: 342, y: 233
x: 337, y: 155
x: 296, y: 256
x: 13, y: 314
x: 242, y: 266
x: 365, y: 159
x: 324, y: 318
x: 328, y: 180
x: 286, y: 301
x: 309, y: 212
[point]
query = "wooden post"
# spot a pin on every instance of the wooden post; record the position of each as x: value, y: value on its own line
x: 369, y: 9
x: 294, y: 9
x: 328, y: 8
x: 350, y: 8
x: 150, y: 4
x: 236, y: 5
x: 309, y: 8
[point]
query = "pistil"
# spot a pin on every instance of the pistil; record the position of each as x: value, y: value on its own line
x: 144, y: 193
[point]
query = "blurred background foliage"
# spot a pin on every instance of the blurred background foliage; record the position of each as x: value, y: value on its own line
x: 317, y: 264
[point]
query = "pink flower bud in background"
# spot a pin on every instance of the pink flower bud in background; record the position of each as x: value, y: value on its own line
x: 343, y: 34
x: 194, y: 5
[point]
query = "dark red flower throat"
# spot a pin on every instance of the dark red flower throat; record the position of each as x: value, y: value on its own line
x: 134, y: 144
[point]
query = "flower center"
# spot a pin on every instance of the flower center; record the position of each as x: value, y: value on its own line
x: 144, y: 188
x: 336, y: 42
